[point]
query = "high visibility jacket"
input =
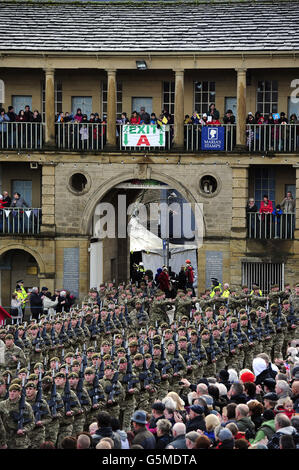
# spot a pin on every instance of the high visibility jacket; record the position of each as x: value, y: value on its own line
x: 226, y: 293
x: 213, y: 290
x: 22, y: 296
x: 260, y: 293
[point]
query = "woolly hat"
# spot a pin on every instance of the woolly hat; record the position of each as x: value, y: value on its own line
x: 225, y: 435
x: 258, y: 365
x: 247, y: 376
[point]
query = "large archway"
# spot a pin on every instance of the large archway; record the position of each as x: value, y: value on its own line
x: 110, y: 258
x: 17, y: 263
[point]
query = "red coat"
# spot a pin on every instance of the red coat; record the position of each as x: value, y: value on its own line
x: 266, y: 209
x: 190, y: 274
x: 163, y: 280
x: 135, y: 120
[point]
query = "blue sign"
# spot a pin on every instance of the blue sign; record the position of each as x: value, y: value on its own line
x: 212, y: 138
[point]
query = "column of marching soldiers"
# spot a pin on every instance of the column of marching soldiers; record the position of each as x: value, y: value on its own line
x: 120, y: 352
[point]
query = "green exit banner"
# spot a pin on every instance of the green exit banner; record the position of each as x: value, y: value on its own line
x: 144, y: 135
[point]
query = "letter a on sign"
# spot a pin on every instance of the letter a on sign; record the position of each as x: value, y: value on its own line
x: 143, y: 141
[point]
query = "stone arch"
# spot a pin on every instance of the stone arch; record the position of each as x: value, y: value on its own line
x: 20, y: 246
x: 100, y: 192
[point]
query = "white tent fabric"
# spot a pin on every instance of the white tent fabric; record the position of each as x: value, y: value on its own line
x: 151, y: 247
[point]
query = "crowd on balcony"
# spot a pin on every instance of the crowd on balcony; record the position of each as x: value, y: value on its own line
x: 271, y: 222
x: 24, y: 115
x: 16, y: 216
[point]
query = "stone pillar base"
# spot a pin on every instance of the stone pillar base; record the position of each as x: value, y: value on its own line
x: 48, y: 229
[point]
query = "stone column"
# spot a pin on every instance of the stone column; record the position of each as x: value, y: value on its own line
x: 296, y: 235
x: 179, y: 110
x: 49, y: 108
x: 238, y: 238
x: 48, y: 199
x: 241, y: 107
x: 111, y: 108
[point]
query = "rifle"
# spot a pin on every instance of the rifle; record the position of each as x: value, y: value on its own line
x: 144, y: 375
x: 291, y: 318
x: 239, y: 334
x: 37, y: 342
x: 198, y: 346
x: 108, y: 323
x: 102, y: 368
x: 128, y: 377
x: 67, y: 393
x: 17, y: 340
x: 53, y: 336
x: 154, y: 377
x: 95, y: 394
x: 268, y: 329
x: 113, y: 390
x: 53, y: 400
x: 176, y: 361
x: 189, y: 355
x: 45, y: 337
x: 259, y: 329
x: 38, y: 400
x: 230, y: 341
x: 69, y: 330
x: 21, y: 420
x: 7, y: 386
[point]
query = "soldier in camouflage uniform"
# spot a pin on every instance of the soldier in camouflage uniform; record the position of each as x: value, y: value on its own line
x: 12, y: 355
x: 210, y: 368
x: 97, y: 400
x: 233, y: 350
x: 292, y: 319
x: 268, y: 332
x: 220, y: 348
x: 52, y: 429
x: 85, y: 403
x: 200, y: 354
x: 42, y: 417
x: 178, y: 364
x: 243, y: 343
x: 131, y: 387
x: 165, y: 369
x: 113, y: 391
x: 280, y: 323
x: 147, y: 388
x: 9, y: 412
x: 67, y: 422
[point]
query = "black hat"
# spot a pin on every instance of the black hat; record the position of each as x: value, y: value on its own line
x: 270, y: 383
x: 271, y: 396
x: 268, y: 415
x: 18, y: 282
x: 158, y: 406
x: 224, y: 375
x: 45, y: 288
x: 199, y: 410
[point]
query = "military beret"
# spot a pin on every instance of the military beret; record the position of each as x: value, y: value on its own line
x: 37, y: 365
x: 9, y: 336
x: 243, y: 317
x: 220, y: 317
x: 21, y: 327
x: 73, y: 375
x: 69, y: 354
x: 211, y: 320
x: 182, y: 338
x: 47, y: 380
x: 208, y: 309
x: 193, y: 332
x: 297, y: 285
x: 33, y: 377
x: 94, y: 356
x: 109, y: 367
x: 164, y: 325
x: 274, y: 305
x: 157, y: 346
x: 147, y: 356
x: 34, y: 327
x: 286, y: 302
x: 89, y: 370
x: 205, y: 332
x: 55, y: 359
x: 170, y: 342
x: 133, y: 343
x: 242, y: 310
x: 30, y: 385
x: 215, y: 327
x: 76, y: 363
x: 91, y: 349
x: 15, y: 387
x: 222, y: 306
x: 137, y: 357
x: 60, y: 375
x: 184, y: 317
x: 159, y: 292
x: 168, y: 331
x: 16, y: 381
x: 234, y: 320
x: 117, y: 336
x: 6, y: 373
x: 122, y: 360
x: 122, y: 350
x: 23, y: 371
x: 106, y: 357
x: 181, y: 328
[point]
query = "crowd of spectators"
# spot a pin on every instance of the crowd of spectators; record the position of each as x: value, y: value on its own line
x: 278, y: 221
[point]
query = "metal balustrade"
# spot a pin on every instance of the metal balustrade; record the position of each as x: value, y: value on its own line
x: 21, y: 135
x: 193, y: 135
x: 20, y: 220
x: 77, y: 136
x: 270, y: 226
x: 272, y: 137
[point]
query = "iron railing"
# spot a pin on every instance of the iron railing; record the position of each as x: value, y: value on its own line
x: 272, y: 137
x: 270, y: 226
x: 77, y: 136
x: 21, y: 135
x: 20, y: 220
x: 193, y: 137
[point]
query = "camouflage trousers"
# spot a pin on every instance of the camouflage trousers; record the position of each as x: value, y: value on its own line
x: 79, y: 423
x: 92, y: 416
x: 37, y: 436
x: 198, y: 373
x: 278, y: 345
x: 209, y: 370
x: 232, y: 361
x: 163, y: 389
x: 17, y: 442
x: 52, y: 430
x: 114, y: 410
x: 64, y: 431
x: 126, y: 412
x: 220, y: 364
x: 249, y: 356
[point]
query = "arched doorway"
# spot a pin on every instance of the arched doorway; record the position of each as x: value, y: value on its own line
x: 111, y: 257
x: 17, y: 264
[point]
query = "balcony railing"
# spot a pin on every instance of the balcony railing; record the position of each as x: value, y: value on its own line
x: 270, y: 226
x: 193, y: 137
x: 21, y: 135
x: 76, y: 136
x: 272, y: 137
x: 23, y: 221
